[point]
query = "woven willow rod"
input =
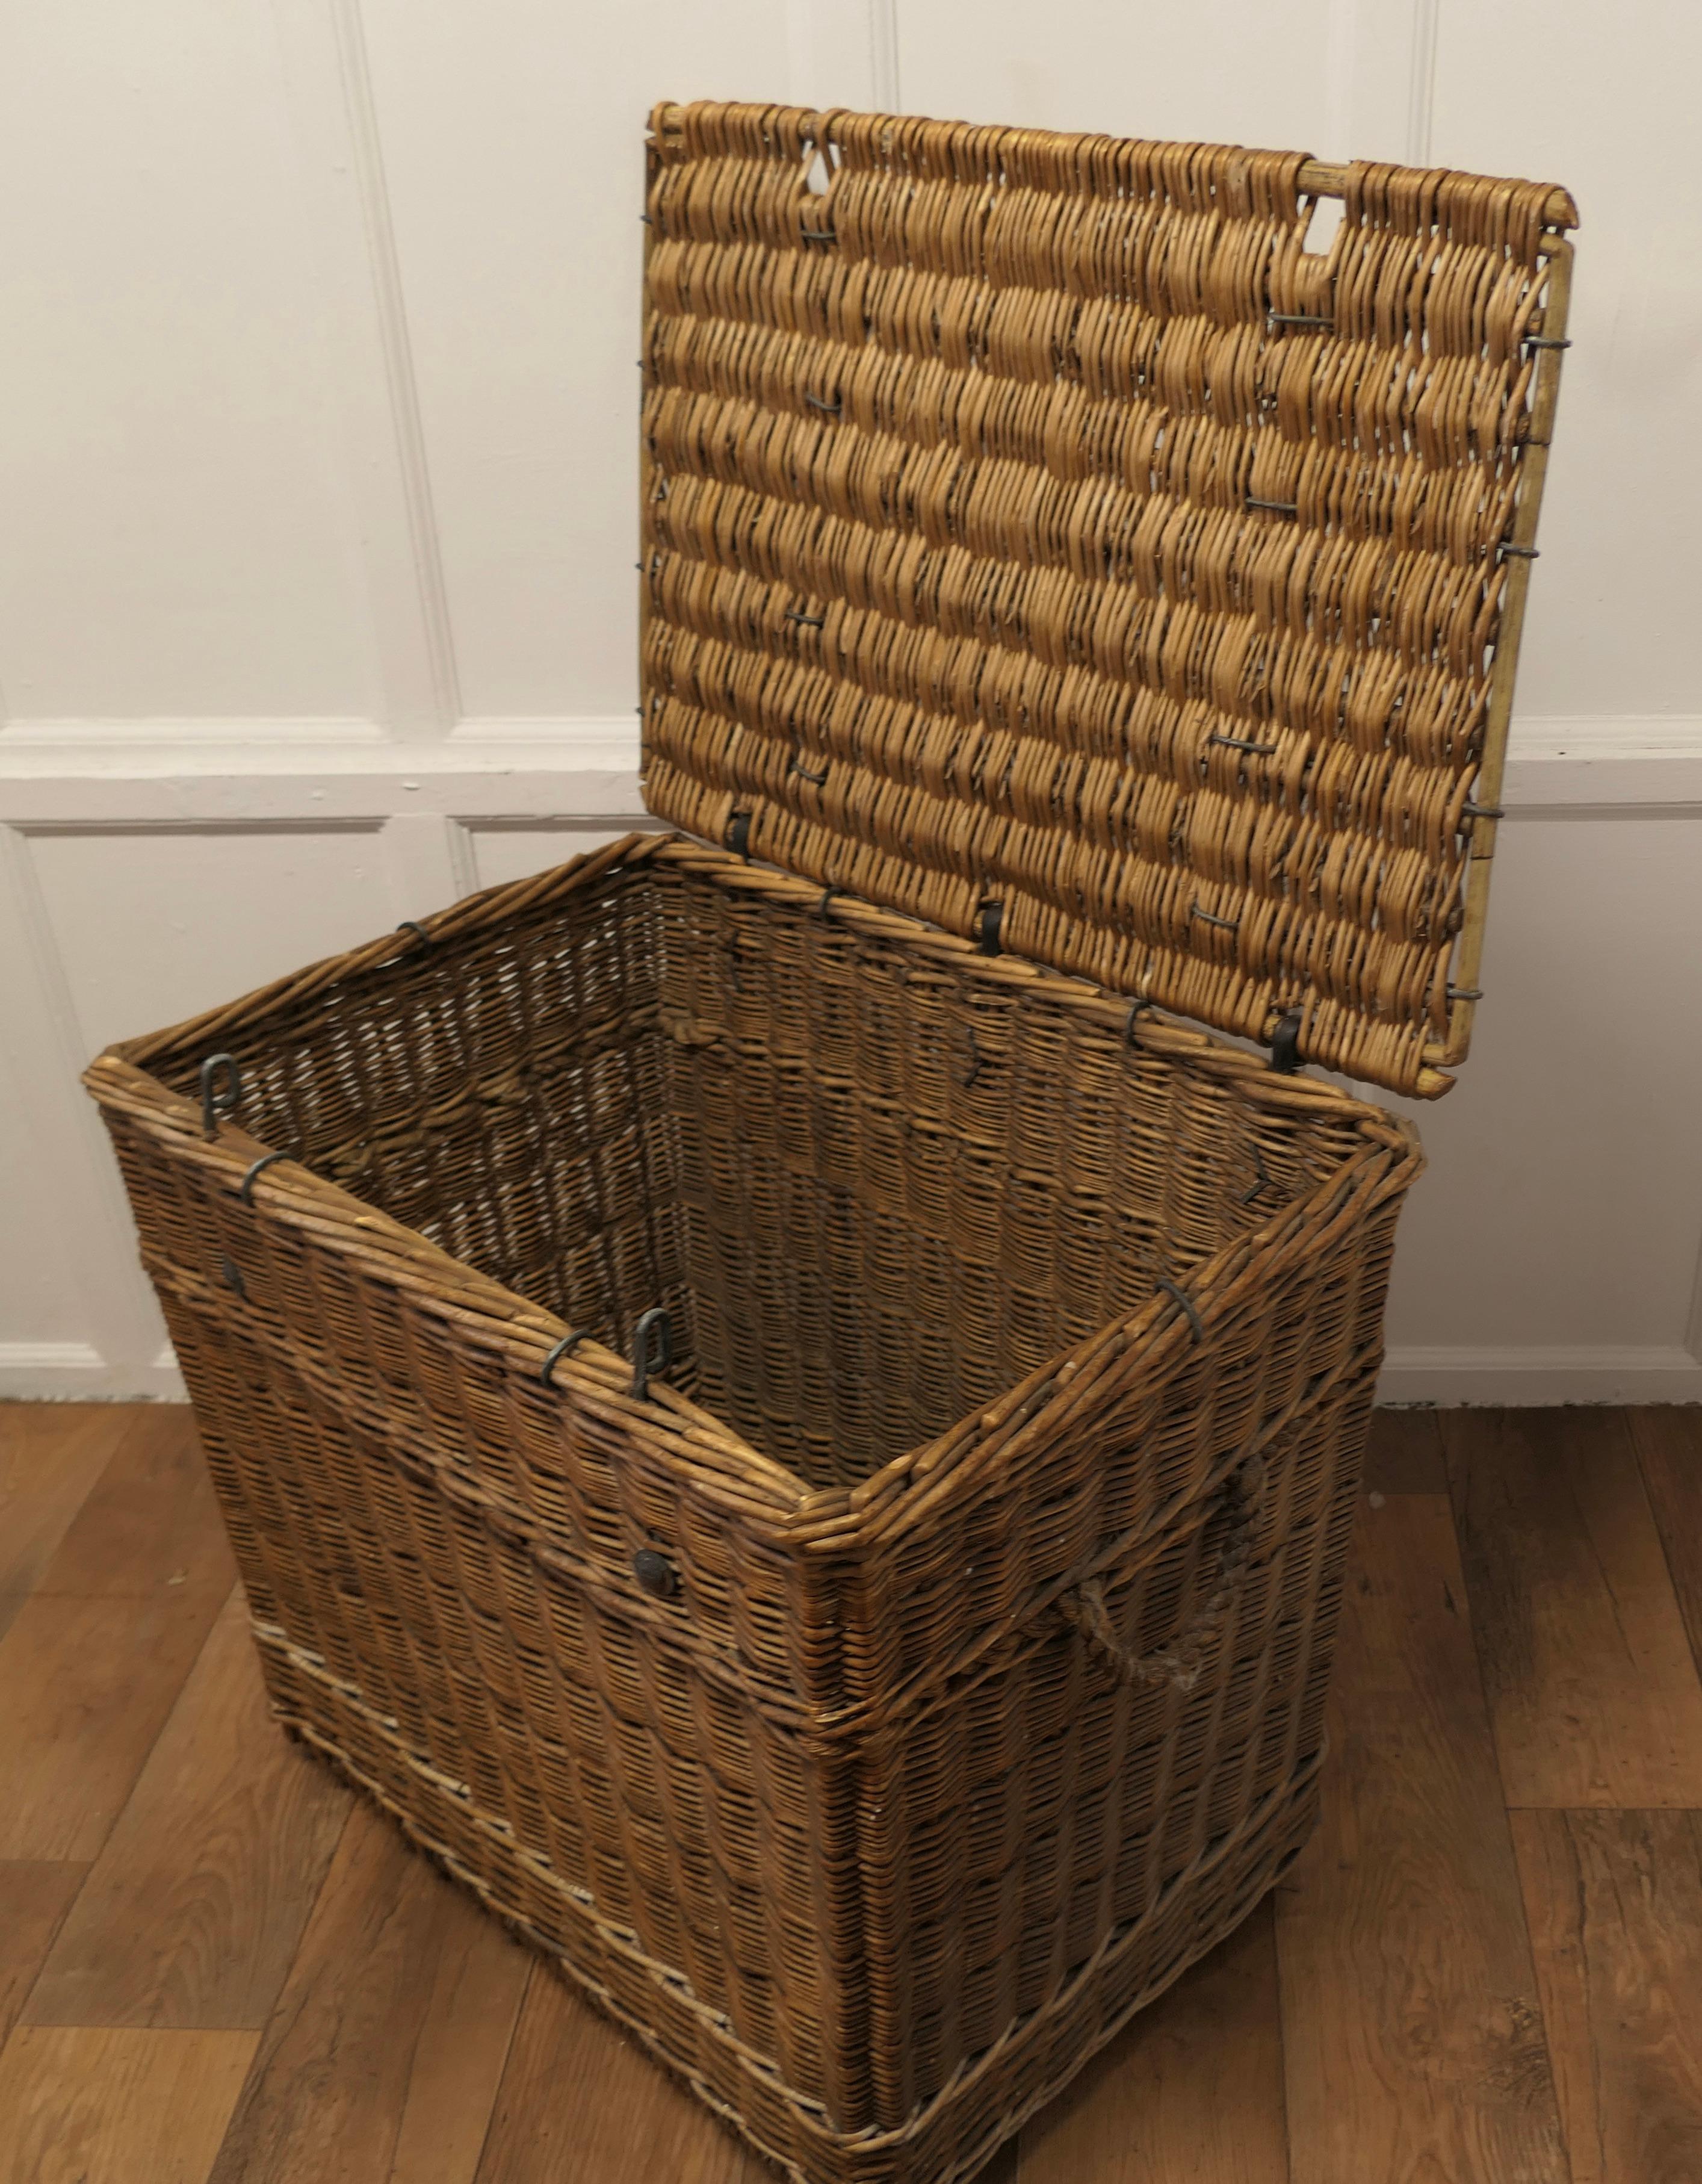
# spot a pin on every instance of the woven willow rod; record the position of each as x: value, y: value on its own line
x: 1327, y: 178
x: 1534, y: 469
x: 1318, y: 178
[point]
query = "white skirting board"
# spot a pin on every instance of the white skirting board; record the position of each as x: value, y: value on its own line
x: 1448, y: 1380
x: 76, y: 1372
x: 1456, y: 1379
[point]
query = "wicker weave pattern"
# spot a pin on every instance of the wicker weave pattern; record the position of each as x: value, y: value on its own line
x: 1030, y: 519
x: 992, y: 1691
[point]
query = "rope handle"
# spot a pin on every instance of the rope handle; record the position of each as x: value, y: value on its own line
x: 1182, y: 1663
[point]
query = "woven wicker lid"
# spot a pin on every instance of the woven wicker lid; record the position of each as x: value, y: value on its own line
x: 1038, y: 540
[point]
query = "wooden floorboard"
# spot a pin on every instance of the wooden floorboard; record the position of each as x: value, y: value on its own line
x: 1405, y: 1454
x: 382, y: 2056
x: 194, y: 1910
x: 1614, y: 1901
x: 35, y: 1895
x: 579, y: 2100
x: 1413, y: 2043
x: 85, y: 2104
x: 51, y: 1455
x: 1591, y: 1685
x: 84, y: 1688
x: 150, y: 1522
x: 216, y: 1967
x: 1193, y: 2088
x: 1668, y: 1441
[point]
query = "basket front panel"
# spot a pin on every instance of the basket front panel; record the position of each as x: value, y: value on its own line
x: 606, y: 1788
x: 442, y: 1550
x: 1031, y: 521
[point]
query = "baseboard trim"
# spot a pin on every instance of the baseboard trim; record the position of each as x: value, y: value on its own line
x: 75, y: 1372
x: 1452, y: 1379
x: 1455, y: 1379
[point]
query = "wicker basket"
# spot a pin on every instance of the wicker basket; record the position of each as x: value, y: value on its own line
x: 793, y: 1429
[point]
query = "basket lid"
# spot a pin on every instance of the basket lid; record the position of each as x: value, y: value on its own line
x: 1039, y: 539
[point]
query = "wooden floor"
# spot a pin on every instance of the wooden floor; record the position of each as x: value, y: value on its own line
x: 215, y: 1965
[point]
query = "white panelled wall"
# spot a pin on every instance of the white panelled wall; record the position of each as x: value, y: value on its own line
x: 318, y: 399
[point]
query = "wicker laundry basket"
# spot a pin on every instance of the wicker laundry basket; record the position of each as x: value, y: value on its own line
x: 794, y: 1428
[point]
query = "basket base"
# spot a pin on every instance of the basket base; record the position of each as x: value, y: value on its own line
x: 947, y: 2141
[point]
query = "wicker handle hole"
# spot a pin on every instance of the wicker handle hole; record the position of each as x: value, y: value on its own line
x: 1182, y: 1664
x: 1326, y: 216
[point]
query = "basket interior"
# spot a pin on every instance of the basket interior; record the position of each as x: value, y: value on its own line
x: 872, y: 1190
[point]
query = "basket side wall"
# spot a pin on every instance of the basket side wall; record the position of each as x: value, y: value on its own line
x: 500, y: 1089
x: 1031, y: 1824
